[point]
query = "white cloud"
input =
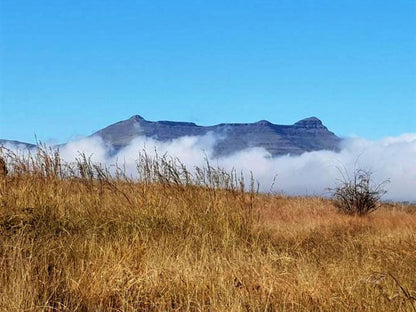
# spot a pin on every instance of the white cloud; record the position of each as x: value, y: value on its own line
x: 311, y: 173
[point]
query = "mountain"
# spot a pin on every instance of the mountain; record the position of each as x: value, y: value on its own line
x: 305, y: 135
x: 16, y: 143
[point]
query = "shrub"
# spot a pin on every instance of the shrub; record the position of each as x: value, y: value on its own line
x: 357, y: 195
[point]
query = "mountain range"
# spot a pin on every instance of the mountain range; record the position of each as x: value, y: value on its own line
x: 303, y: 136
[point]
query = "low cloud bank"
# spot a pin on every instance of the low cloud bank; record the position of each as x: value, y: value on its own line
x: 311, y: 173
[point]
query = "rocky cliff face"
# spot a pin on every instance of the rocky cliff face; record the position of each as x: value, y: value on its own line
x: 305, y: 135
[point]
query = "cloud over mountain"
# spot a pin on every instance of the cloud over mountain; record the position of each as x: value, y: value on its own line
x: 310, y: 173
x: 300, y: 172
x: 303, y: 136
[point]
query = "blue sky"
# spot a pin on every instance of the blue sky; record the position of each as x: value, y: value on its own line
x: 69, y: 68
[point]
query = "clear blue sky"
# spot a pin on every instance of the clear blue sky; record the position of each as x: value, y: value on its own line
x: 69, y: 68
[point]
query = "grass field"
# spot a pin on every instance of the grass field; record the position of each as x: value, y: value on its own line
x: 74, y: 238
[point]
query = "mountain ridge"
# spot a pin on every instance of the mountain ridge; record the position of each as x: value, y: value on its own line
x: 305, y: 135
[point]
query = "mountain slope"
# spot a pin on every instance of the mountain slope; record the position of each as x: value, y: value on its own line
x: 16, y: 143
x: 305, y: 135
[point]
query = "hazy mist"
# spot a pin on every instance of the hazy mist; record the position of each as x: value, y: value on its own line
x: 311, y: 173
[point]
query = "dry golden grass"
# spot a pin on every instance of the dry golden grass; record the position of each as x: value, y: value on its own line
x: 102, y: 244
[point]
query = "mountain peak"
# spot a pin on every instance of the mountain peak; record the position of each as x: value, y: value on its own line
x: 263, y: 122
x: 137, y: 118
x: 309, y: 123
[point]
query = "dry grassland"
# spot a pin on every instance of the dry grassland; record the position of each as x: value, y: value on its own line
x: 87, y: 242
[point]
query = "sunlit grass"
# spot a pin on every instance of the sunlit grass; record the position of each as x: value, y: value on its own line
x: 77, y: 237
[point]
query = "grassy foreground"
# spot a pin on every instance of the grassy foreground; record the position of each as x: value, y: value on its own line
x: 75, y: 239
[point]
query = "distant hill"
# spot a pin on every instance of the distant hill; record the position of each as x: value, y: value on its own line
x: 16, y: 143
x: 305, y: 135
